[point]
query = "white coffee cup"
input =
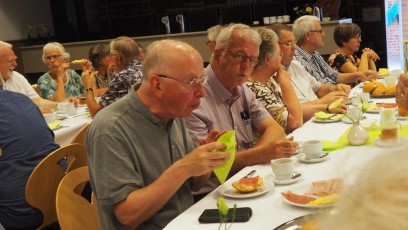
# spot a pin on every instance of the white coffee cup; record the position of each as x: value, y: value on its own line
x: 282, y: 168
x: 363, y: 97
x: 50, y: 117
x: 390, y: 80
x: 67, y: 107
x: 312, y: 149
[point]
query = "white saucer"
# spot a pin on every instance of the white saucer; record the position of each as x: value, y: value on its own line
x: 283, y: 182
x: 402, y: 118
x: 301, y: 157
x: 388, y: 144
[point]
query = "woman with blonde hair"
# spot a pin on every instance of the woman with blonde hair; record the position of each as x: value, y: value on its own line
x: 59, y: 83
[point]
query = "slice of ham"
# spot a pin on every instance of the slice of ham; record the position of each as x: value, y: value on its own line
x: 387, y: 105
x: 296, y: 198
x: 325, y: 187
x: 249, y: 181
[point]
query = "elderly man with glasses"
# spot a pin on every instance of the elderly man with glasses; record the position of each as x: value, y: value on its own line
x: 309, y: 36
x: 230, y: 105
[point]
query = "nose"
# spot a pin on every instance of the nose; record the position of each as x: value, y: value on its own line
x: 199, y: 90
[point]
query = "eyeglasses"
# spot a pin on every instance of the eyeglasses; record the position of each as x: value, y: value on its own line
x: 239, y: 57
x: 49, y: 58
x: 192, y: 84
x: 317, y: 31
x: 289, y: 44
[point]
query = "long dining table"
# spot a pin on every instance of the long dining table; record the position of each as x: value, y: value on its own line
x: 269, y: 209
x: 71, y: 125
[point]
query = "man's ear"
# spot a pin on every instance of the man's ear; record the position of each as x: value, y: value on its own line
x: 155, y: 85
x: 217, y: 54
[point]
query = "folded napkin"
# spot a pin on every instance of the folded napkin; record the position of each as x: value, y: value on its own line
x: 229, y: 140
x: 331, y: 146
x: 327, y: 116
x: 55, y: 124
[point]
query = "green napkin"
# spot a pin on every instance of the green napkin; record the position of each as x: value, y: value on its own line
x: 55, y: 124
x: 229, y: 140
x: 327, y: 116
x: 372, y: 133
x: 331, y: 146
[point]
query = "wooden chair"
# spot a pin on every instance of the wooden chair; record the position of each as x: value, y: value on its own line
x: 80, y: 137
x: 43, y: 182
x: 73, y: 210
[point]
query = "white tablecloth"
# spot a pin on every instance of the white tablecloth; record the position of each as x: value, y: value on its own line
x: 269, y: 210
x: 70, y: 126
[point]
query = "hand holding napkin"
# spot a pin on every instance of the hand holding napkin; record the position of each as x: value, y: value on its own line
x: 228, y: 139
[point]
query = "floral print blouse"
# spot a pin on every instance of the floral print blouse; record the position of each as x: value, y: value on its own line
x: 337, y: 60
x: 73, y: 87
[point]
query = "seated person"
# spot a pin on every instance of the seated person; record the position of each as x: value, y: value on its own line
x: 309, y: 36
x: 59, y: 82
x: 313, y: 95
x: 271, y: 84
x: 348, y: 37
x: 141, y: 159
x: 128, y: 68
x: 102, y: 62
x: 230, y: 105
x: 402, y: 91
x: 212, y: 34
x: 377, y: 198
x: 25, y: 140
x: 14, y: 81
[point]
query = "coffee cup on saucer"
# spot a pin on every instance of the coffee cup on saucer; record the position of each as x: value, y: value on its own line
x: 282, y: 168
x: 312, y: 149
x: 67, y: 107
x: 50, y: 117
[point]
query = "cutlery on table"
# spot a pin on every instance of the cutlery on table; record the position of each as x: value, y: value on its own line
x: 250, y: 173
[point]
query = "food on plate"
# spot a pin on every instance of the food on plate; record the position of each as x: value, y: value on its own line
x: 246, y: 185
x: 325, y: 199
x: 387, y: 105
x: 336, y: 104
x: 325, y: 187
x: 379, y: 90
x: 383, y: 72
x: 78, y: 61
x: 391, y: 89
x: 310, y: 225
x: 369, y: 86
x: 297, y: 198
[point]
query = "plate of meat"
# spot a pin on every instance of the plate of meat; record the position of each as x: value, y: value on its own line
x: 319, y: 194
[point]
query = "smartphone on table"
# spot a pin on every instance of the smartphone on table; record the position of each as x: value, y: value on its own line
x: 212, y: 215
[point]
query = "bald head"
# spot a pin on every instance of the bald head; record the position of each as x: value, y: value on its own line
x: 169, y: 56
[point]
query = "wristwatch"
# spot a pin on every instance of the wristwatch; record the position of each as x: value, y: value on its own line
x: 88, y: 89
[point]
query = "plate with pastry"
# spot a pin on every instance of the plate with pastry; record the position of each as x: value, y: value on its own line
x: 246, y: 188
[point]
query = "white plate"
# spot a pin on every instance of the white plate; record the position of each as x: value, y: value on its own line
x: 300, y: 190
x: 377, y: 110
x: 382, y: 96
x: 56, y: 127
x: 388, y: 144
x: 229, y: 191
x: 326, y: 120
x: 402, y: 118
x: 271, y: 177
x: 301, y: 157
x: 62, y: 116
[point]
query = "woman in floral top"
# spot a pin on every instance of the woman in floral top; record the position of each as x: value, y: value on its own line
x: 59, y: 83
x: 348, y: 37
x: 272, y: 86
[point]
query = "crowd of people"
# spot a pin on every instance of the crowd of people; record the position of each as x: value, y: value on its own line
x: 151, y: 144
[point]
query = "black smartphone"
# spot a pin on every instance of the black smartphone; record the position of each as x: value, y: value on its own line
x: 212, y: 215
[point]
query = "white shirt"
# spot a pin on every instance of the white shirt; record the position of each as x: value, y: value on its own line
x: 18, y: 83
x: 306, y: 86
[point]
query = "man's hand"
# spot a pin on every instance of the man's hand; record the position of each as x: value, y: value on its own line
x: 282, y: 149
x: 343, y: 88
x: 332, y: 97
x: 212, y: 137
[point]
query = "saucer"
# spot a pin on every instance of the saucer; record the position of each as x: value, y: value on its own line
x: 323, y: 156
x: 283, y: 182
x: 388, y: 144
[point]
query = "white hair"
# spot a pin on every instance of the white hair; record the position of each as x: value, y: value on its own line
x: 54, y: 46
x: 303, y: 25
x: 378, y: 200
x: 213, y: 32
x: 245, y: 32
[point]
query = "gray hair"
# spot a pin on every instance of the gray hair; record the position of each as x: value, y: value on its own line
x: 269, y: 46
x: 303, y: 25
x: 213, y: 32
x: 378, y: 197
x: 126, y: 47
x: 55, y: 46
x: 223, y: 40
x: 97, y: 53
x: 4, y: 45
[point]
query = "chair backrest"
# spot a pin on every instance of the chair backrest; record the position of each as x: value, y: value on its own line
x: 80, y: 137
x: 43, y: 182
x: 73, y: 210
